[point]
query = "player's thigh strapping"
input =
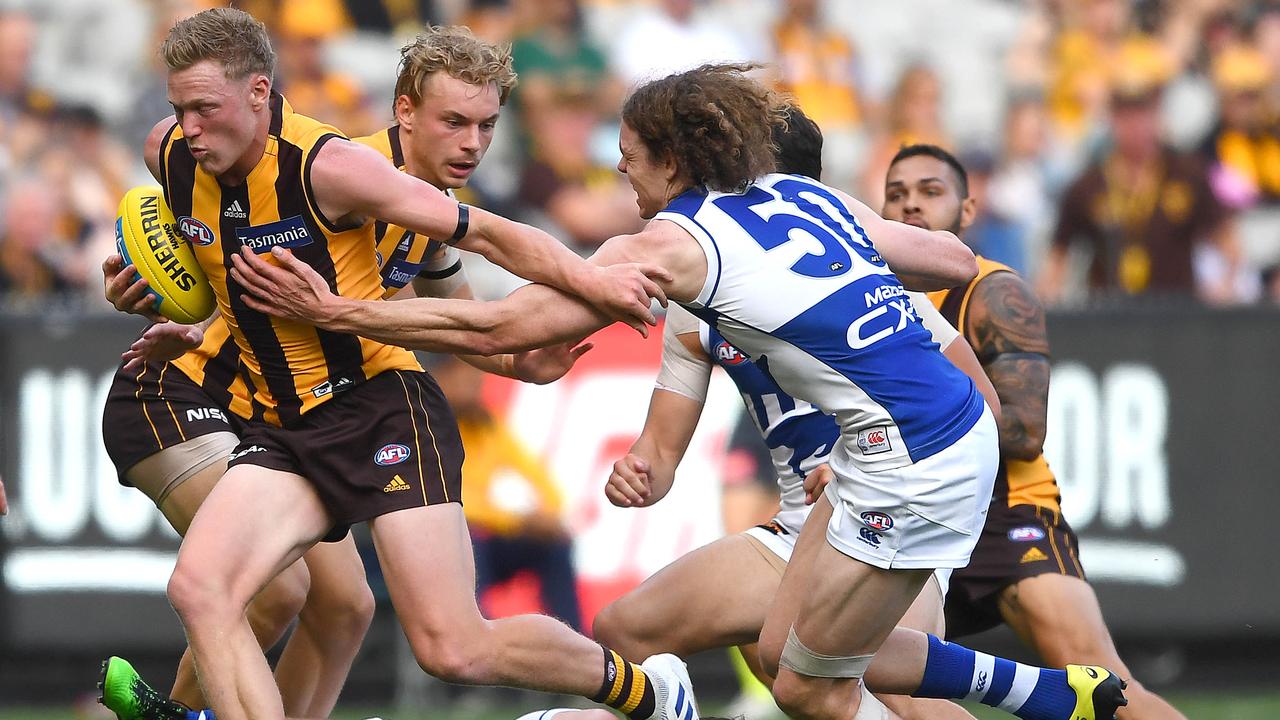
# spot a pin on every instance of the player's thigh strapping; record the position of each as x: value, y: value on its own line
x: 160, y: 428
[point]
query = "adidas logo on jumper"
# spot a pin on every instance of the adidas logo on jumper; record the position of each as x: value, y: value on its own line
x: 396, y: 484
x: 235, y: 211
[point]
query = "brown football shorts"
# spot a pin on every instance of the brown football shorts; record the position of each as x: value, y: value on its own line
x: 1017, y: 543
x: 390, y: 443
x: 154, y: 409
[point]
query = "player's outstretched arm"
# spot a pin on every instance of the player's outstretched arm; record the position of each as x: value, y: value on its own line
x: 294, y: 291
x: 645, y: 474
x: 531, y: 317
x: 541, y: 366
x: 354, y: 180
x: 922, y: 259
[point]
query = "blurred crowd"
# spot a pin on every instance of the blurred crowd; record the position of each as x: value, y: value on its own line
x: 1118, y: 149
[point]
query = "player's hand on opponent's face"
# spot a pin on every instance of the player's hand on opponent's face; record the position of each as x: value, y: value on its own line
x: 126, y: 294
x: 623, y: 292
x: 815, y: 482
x: 548, y: 364
x: 628, y: 484
x: 161, y: 343
x: 293, y: 290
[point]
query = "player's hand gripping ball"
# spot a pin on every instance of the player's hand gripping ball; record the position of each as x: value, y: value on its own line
x: 147, y: 237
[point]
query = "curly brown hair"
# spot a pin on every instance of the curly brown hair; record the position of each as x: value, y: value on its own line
x: 234, y: 38
x: 715, y: 121
x: 460, y: 54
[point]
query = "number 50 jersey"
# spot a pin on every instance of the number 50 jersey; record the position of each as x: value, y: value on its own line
x: 795, y: 283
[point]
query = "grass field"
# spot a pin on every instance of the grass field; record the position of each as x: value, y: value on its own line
x: 1196, y: 707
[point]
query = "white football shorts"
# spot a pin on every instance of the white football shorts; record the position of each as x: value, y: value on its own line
x: 925, y: 515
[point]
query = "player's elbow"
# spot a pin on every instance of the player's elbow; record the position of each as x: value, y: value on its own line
x: 962, y: 266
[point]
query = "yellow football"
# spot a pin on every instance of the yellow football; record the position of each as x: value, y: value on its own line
x: 147, y: 237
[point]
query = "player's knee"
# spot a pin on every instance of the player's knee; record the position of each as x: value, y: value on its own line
x: 195, y: 595
x: 610, y: 627
x: 279, y: 602
x: 454, y: 664
x: 348, y: 613
x: 357, y: 608
x: 456, y: 656
x: 624, y: 627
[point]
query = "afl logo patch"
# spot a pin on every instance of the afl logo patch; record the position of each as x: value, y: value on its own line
x: 727, y: 354
x: 196, y: 232
x: 877, y: 520
x: 1026, y: 533
x: 392, y: 454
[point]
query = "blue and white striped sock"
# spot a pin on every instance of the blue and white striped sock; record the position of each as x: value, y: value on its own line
x: 205, y: 714
x: 955, y: 672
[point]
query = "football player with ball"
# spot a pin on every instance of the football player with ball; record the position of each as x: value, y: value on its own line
x: 171, y: 427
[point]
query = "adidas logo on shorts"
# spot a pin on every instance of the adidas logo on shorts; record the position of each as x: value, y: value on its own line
x: 397, y: 483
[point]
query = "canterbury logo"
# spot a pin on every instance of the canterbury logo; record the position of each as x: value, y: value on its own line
x: 397, y: 483
x: 982, y: 680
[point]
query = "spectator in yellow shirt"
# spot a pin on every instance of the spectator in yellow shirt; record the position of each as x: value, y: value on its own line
x: 818, y: 66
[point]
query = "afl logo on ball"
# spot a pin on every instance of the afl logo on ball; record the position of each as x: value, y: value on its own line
x: 877, y: 520
x: 393, y: 454
x: 196, y: 232
x: 728, y: 354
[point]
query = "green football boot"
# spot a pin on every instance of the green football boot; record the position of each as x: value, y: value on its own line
x: 126, y: 694
x: 1099, y: 692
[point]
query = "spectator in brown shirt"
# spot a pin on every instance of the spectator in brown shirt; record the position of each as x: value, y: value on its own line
x: 568, y: 183
x: 1140, y: 211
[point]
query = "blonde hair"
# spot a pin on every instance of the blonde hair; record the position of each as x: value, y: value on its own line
x: 454, y: 50
x: 228, y: 36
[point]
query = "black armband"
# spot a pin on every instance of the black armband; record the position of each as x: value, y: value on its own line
x: 464, y: 220
x: 450, y: 271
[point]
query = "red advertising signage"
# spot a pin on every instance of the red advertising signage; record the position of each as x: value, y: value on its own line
x: 584, y: 422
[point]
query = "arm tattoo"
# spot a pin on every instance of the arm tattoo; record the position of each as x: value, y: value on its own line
x: 1007, y: 329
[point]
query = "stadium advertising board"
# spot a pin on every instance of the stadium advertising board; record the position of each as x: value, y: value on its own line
x: 84, y: 560
x: 1159, y: 431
